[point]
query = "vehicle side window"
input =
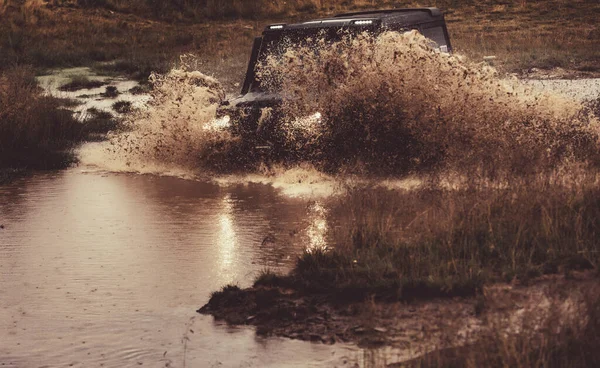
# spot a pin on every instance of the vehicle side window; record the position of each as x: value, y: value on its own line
x: 436, y: 34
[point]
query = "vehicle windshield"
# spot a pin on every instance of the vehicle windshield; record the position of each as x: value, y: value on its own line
x: 438, y: 36
x: 277, y: 43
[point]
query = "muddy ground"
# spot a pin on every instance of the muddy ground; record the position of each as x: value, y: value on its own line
x: 414, y: 328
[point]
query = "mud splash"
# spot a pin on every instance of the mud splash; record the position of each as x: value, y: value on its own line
x: 176, y: 131
x: 387, y: 105
x: 393, y: 104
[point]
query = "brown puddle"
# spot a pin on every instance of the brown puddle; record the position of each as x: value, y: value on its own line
x: 101, y: 269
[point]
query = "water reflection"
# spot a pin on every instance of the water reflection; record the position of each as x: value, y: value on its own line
x: 227, y: 239
x: 109, y: 269
x: 317, y: 230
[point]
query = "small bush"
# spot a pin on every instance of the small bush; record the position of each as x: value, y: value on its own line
x: 97, y: 124
x: 111, y: 92
x: 122, y: 107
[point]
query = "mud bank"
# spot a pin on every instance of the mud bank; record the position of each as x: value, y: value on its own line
x: 278, y: 311
x: 414, y: 328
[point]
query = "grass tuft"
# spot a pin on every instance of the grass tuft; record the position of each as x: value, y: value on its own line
x: 122, y: 107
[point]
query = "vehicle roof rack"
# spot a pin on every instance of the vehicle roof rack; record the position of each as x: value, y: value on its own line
x: 434, y: 12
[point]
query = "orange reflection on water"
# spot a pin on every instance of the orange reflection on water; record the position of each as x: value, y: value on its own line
x: 318, y: 228
x: 226, y: 235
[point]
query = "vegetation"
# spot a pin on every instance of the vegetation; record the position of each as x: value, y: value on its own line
x: 562, y: 340
x: 97, y: 123
x: 73, y: 33
x: 122, y: 107
x: 436, y: 241
x: 8, y: 175
x: 36, y: 130
x: 81, y: 82
x: 110, y: 92
x: 444, y: 241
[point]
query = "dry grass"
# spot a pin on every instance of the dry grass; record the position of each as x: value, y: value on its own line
x: 38, y: 131
x: 439, y: 242
x: 565, y: 335
x: 35, y: 132
x: 521, y: 34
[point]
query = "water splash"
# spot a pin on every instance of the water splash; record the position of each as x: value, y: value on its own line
x: 392, y: 104
x: 387, y: 105
x: 179, y: 128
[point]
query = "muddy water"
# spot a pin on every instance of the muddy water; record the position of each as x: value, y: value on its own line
x: 101, y: 269
x: 88, y: 98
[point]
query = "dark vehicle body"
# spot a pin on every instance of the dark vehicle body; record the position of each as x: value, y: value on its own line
x: 245, y: 110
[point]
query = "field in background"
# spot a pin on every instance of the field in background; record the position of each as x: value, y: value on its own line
x: 137, y: 37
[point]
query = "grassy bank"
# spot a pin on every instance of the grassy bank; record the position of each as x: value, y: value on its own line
x: 451, y: 242
x: 566, y: 338
x: 35, y: 131
x: 473, y: 248
x: 38, y: 131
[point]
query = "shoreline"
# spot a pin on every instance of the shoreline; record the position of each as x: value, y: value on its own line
x: 421, y: 326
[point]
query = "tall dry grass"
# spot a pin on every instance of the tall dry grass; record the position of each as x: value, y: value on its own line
x: 565, y: 335
x: 441, y: 241
x: 35, y: 132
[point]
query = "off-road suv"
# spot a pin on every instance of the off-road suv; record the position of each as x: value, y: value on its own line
x: 245, y: 111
